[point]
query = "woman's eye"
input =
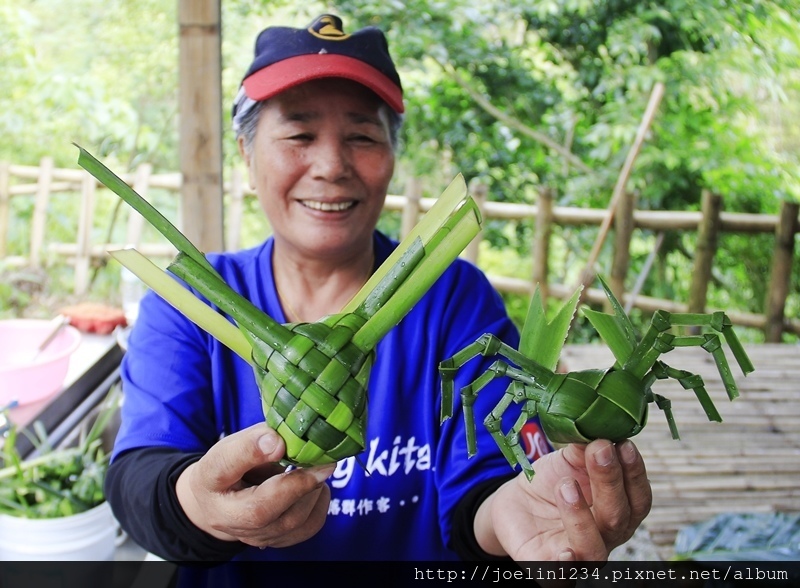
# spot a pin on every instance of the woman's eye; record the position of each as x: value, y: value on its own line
x: 362, y: 139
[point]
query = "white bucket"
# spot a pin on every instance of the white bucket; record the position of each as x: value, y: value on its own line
x: 88, y: 536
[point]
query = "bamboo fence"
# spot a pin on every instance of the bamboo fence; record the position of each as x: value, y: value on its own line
x: 42, y: 181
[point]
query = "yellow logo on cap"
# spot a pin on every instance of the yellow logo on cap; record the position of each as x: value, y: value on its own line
x: 328, y: 27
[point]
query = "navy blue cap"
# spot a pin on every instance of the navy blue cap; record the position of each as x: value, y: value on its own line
x: 286, y: 57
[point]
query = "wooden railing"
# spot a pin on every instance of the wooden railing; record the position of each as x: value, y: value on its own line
x: 41, y: 182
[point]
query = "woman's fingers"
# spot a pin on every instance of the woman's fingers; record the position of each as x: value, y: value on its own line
x: 228, y: 462
x: 299, y: 522
x: 621, y: 494
x: 284, y: 503
x: 237, y: 490
x: 637, y: 486
x: 584, y: 539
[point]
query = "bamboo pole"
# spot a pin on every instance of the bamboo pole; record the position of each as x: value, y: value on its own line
x: 40, y: 210
x: 541, y: 242
x: 411, y: 209
x: 200, y: 97
x: 135, y: 225
x: 640, y: 279
x: 588, y: 274
x: 707, y: 240
x: 479, y: 192
x: 83, y: 257
x: 512, y: 122
x: 781, y: 272
x: 623, y: 229
x: 653, y: 220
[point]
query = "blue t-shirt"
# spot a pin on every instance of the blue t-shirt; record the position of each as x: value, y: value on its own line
x: 183, y: 389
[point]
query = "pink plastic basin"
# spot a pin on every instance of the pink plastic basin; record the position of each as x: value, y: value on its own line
x: 24, y: 376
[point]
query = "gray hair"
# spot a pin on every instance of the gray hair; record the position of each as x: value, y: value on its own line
x: 247, y: 123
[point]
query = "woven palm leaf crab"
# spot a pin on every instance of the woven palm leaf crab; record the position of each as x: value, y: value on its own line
x: 581, y: 406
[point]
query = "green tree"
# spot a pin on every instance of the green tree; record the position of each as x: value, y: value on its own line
x: 521, y: 95
x: 109, y: 79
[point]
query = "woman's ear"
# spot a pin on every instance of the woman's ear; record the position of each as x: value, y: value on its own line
x: 246, y: 156
x: 242, y: 150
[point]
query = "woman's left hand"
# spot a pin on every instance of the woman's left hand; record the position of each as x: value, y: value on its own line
x: 584, y: 501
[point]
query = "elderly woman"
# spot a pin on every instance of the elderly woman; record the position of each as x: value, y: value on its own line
x: 195, y: 472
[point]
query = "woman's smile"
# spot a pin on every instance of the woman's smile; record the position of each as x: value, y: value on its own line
x: 323, y: 206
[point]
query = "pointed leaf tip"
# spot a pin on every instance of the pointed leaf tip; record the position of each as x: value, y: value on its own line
x: 542, y: 340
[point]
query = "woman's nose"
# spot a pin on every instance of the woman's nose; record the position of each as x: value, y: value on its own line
x: 331, y: 160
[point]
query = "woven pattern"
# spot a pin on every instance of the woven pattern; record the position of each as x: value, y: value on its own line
x: 314, y: 390
x: 599, y: 404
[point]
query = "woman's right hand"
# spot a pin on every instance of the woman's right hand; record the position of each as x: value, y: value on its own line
x: 239, y: 491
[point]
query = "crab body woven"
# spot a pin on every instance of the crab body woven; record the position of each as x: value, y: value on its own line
x: 592, y: 394
x: 578, y: 407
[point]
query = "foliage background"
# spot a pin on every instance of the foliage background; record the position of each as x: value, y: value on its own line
x: 104, y: 74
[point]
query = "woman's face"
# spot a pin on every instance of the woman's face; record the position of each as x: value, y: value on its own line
x: 320, y: 163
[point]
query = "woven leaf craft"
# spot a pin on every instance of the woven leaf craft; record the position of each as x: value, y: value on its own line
x: 313, y: 377
x: 602, y: 403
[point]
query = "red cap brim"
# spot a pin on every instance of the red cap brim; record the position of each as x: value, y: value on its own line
x: 276, y: 78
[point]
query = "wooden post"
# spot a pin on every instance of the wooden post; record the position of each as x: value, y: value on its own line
x: 781, y: 273
x: 410, y: 215
x: 235, y: 211
x: 480, y: 193
x: 40, y: 210
x: 201, y: 122
x: 541, y: 242
x: 623, y: 225
x: 83, y: 250
x: 5, y: 207
x: 707, y: 239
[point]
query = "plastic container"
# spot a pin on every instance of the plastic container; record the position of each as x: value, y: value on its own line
x: 131, y: 290
x: 28, y: 377
x: 88, y: 536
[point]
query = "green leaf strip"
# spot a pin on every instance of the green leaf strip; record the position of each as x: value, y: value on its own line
x: 184, y: 301
x: 619, y: 312
x: 249, y: 317
x: 431, y: 222
x: 612, y: 332
x: 443, y: 248
x: 153, y: 216
x: 392, y: 279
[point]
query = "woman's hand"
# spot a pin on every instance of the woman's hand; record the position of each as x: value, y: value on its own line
x: 583, y: 501
x: 239, y: 491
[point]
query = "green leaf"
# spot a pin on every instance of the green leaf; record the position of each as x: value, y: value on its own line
x: 542, y: 340
x: 612, y: 333
x: 185, y: 301
x: 616, y: 330
x: 448, y: 201
x: 112, y: 181
x: 442, y: 249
